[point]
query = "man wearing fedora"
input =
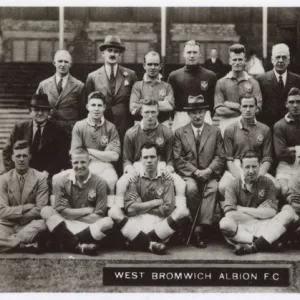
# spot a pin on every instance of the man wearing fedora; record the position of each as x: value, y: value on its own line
x: 115, y: 83
x: 66, y: 94
x: 47, y: 140
x: 199, y: 158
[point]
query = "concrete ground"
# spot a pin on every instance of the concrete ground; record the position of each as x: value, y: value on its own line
x: 187, y: 256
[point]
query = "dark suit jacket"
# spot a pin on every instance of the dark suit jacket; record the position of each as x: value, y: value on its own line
x: 217, y: 67
x: 69, y: 106
x: 273, y: 104
x: 117, y: 111
x: 53, y: 153
x: 211, y: 150
x: 35, y: 191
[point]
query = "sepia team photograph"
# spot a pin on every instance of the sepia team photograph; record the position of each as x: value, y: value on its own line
x: 149, y: 149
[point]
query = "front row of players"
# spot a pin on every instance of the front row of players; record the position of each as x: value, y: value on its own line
x: 148, y: 187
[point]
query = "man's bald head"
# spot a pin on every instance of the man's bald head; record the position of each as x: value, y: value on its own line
x: 62, y: 62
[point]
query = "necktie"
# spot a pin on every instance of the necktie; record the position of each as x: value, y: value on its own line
x: 59, y: 86
x: 37, y: 140
x: 280, y: 83
x: 198, y: 139
x: 112, y: 80
x: 22, y: 182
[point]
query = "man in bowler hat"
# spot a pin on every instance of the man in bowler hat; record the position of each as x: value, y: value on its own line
x: 199, y: 158
x: 115, y: 83
x: 49, y: 149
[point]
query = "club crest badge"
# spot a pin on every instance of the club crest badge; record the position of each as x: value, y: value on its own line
x: 162, y: 93
x: 159, y: 141
x: 262, y: 194
x: 159, y: 192
x: 91, y: 195
x: 204, y: 85
x: 248, y: 87
x: 260, y: 138
x: 104, y: 140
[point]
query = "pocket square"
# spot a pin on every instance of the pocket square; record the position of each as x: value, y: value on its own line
x: 126, y: 82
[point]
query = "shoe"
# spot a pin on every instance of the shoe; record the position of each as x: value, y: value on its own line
x: 157, y: 248
x: 198, y: 240
x: 242, y: 249
x: 30, y: 248
x: 87, y: 249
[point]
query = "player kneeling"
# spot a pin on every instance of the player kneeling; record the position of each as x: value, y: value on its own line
x: 150, y: 216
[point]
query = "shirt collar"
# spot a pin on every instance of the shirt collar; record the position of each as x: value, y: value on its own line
x: 289, y: 118
x: 195, y: 129
x: 19, y: 175
x: 245, y: 76
x: 58, y: 77
x: 35, y: 125
x: 72, y: 177
x: 284, y: 75
x: 157, y: 79
x: 108, y: 69
x: 143, y: 127
x: 158, y: 174
x: 241, y: 125
x: 90, y: 122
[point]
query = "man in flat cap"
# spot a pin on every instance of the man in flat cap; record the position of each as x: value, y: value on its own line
x: 115, y: 83
x: 152, y: 86
x: 275, y: 86
x: 47, y: 140
x: 66, y: 94
x: 232, y: 87
x: 192, y: 80
x: 199, y: 158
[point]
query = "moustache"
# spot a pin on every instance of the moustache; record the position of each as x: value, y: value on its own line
x: 112, y: 57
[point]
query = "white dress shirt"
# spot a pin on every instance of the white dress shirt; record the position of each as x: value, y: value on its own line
x: 284, y: 76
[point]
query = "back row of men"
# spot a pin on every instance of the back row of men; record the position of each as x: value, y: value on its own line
x: 196, y: 152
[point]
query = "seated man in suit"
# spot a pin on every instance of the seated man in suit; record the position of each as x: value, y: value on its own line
x: 287, y: 141
x: 251, y: 221
x: 246, y: 134
x: 66, y: 94
x: 150, y: 207
x: 153, y: 86
x: 78, y: 221
x: 23, y: 192
x: 148, y: 130
x: 199, y: 157
x: 49, y: 150
x: 101, y: 139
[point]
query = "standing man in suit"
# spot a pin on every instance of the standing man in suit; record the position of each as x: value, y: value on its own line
x: 66, y: 94
x: 214, y: 63
x: 192, y: 80
x: 275, y: 86
x: 49, y: 149
x: 23, y: 192
x: 115, y: 83
x: 199, y: 158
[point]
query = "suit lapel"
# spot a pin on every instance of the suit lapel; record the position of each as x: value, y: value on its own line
x: 119, y: 79
x: 28, y: 132
x: 15, y: 187
x: 28, y: 186
x: 104, y: 80
x: 289, y: 83
x: 204, y: 136
x: 53, y: 91
x: 67, y: 90
x: 191, y: 137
